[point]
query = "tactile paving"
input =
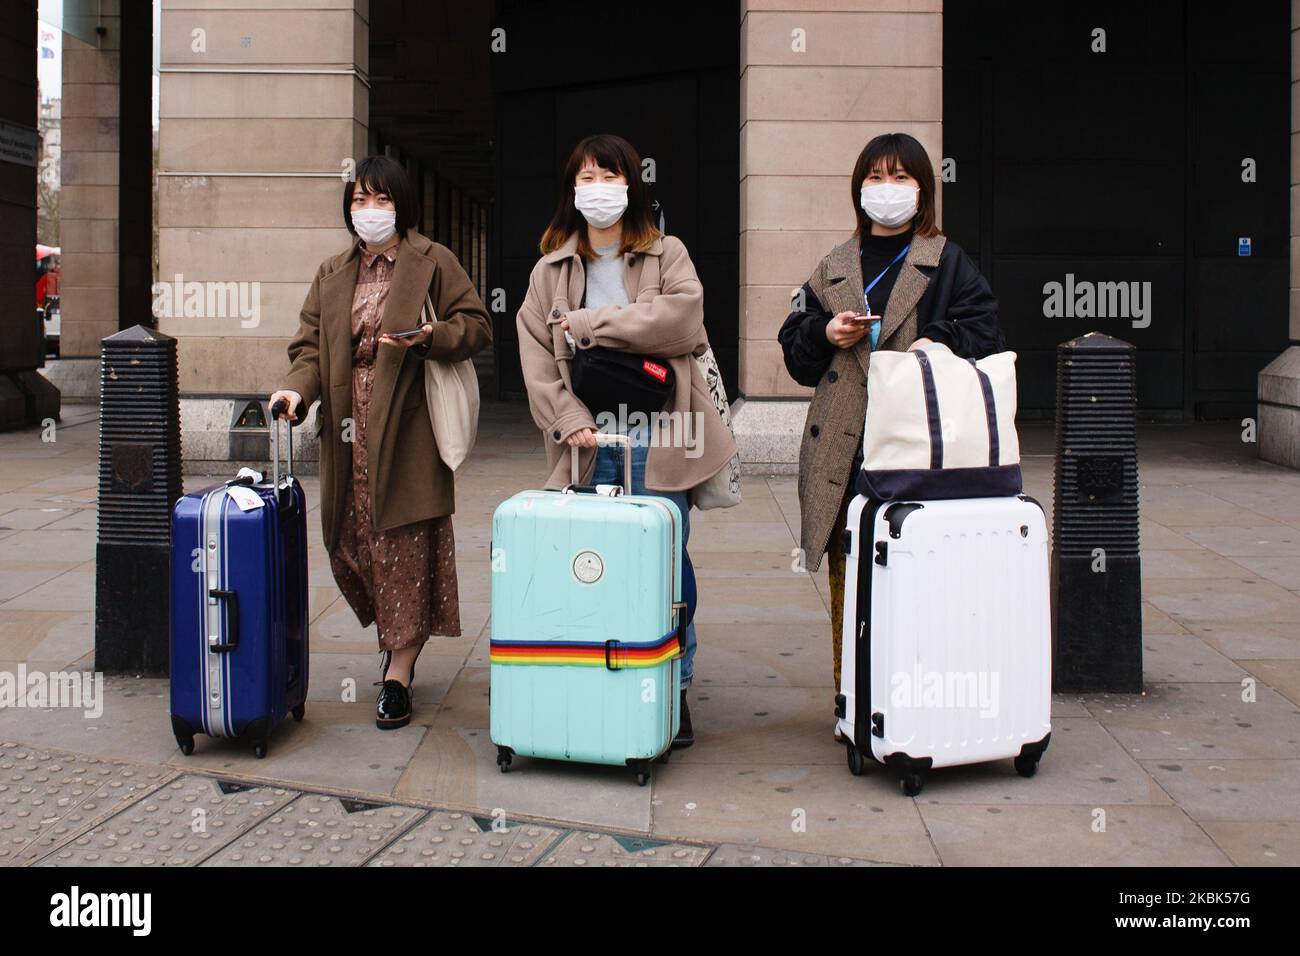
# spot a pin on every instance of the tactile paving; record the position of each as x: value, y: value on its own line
x: 317, y: 831
x: 586, y: 848
x: 179, y: 824
x: 459, y: 839
x: 47, y: 796
x: 733, y: 854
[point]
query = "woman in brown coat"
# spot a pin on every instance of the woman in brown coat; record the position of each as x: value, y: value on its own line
x: 609, y: 279
x: 386, y: 496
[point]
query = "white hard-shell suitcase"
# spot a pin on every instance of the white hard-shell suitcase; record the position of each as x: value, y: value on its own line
x: 947, y: 635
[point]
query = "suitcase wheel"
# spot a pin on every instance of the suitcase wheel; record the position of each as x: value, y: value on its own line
x: 642, y: 768
x: 1027, y: 765
x: 298, y: 712
x: 912, y: 782
x: 259, y: 749
x: 857, y: 765
x: 504, y: 756
x: 186, y: 744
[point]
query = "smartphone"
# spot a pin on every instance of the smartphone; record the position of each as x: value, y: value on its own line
x: 864, y: 319
x: 409, y: 334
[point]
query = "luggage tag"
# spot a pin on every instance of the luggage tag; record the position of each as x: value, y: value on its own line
x: 246, y: 498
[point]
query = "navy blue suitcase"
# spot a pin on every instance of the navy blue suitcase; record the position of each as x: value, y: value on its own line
x: 239, y: 607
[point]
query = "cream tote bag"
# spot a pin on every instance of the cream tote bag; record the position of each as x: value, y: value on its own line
x: 940, y: 426
x: 723, y: 489
x: 451, y: 392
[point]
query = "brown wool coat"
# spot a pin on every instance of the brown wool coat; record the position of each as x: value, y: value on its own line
x: 665, y: 318
x: 836, y: 416
x: 413, y: 484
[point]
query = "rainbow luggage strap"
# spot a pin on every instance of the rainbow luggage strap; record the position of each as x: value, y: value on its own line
x: 613, y: 655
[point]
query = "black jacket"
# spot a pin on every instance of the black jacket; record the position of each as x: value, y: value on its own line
x: 957, y: 309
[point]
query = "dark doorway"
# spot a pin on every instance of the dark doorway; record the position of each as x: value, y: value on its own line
x: 1126, y: 166
x: 667, y: 81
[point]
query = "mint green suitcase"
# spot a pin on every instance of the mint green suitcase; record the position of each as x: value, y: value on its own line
x: 587, y: 625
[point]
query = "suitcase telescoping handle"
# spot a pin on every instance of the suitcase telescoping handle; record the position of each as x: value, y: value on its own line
x: 281, y: 406
x: 602, y: 438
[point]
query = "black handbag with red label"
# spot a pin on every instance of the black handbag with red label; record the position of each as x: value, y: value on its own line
x: 605, y: 379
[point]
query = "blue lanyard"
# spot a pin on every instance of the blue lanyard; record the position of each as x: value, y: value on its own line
x: 872, y: 285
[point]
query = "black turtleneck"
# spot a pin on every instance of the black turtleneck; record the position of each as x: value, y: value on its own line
x: 877, y: 253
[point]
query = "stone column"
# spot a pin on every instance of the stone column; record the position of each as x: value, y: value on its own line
x: 88, y: 214
x: 1279, y: 382
x: 25, y: 397
x: 819, y: 78
x: 260, y: 109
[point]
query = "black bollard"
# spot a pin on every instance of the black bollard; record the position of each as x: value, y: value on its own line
x: 1096, y: 567
x: 139, y: 482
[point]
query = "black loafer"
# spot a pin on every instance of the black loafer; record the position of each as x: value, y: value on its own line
x: 393, y: 708
x: 685, y: 732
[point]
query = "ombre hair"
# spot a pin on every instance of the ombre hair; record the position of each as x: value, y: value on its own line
x: 618, y: 156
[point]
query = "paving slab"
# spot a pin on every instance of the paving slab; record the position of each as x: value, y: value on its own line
x: 132, y: 725
x: 73, y: 590
x: 797, y: 654
x: 1257, y: 844
x: 1083, y: 765
x: 333, y: 675
x: 317, y: 830
x: 1281, y: 569
x: 44, y: 638
x: 179, y: 824
x: 46, y: 544
x: 1254, y: 640
x: 1192, y: 721
x: 461, y: 839
x: 1240, y: 790
x: 1067, y: 836
x: 336, y: 747
x: 1185, y: 657
x: 781, y: 725
x: 1241, y: 600
x: 733, y: 854
x: 1282, y: 675
x: 806, y: 809
x: 1254, y: 540
x: 48, y: 796
x: 456, y: 767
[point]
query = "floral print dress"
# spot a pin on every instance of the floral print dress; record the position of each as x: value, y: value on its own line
x: 403, y: 579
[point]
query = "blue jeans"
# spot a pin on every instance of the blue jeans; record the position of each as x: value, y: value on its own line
x: 609, y: 471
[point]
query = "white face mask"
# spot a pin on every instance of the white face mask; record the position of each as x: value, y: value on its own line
x: 889, y: 204
x: 601, y: 204
x: 375, y: 225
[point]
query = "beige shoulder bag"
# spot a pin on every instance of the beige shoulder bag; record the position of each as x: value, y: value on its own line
x: 451, y: 392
